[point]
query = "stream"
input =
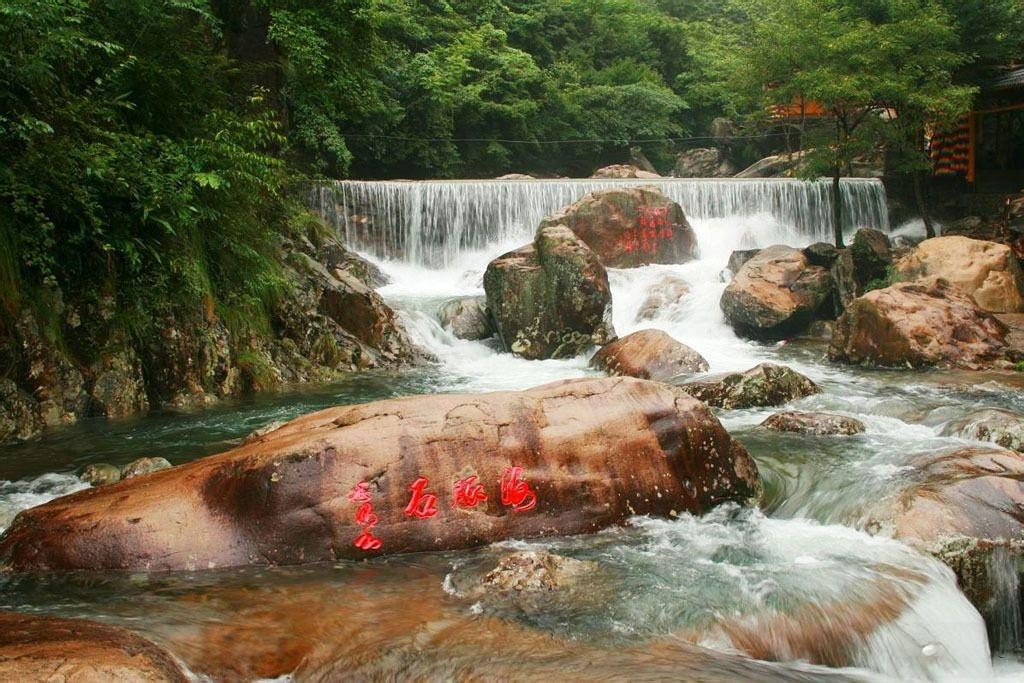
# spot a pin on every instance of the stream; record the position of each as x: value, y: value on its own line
x: 795, y: 580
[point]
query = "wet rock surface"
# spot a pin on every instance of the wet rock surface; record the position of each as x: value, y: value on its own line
x: 764, y: 385
x: 866, y: 265
x: 665, y: 293
x: 821, y: 424
x: 987, y: 271
x: 918, y: 324
x: 42, y: 648
x: 776, y: 293
x: 1001, y: 427
x: 649, y: 354
x: 630, y: 226
x: 565, y: 458
x: 550, y: 299
x: 467, y: 318
x: 535, y: 571
x: 137, y: 468
x: 964, y: 507
x: 100, y: 474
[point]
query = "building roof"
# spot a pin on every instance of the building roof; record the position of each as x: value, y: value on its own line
x: 1013, y: 78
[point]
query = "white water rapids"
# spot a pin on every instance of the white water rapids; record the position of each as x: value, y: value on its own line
x: 803, y: 566
x: 435, y: 239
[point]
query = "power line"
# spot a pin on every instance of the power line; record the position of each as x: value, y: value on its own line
x: 404, y: 138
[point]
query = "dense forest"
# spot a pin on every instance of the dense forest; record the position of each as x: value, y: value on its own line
x: 150, y: 152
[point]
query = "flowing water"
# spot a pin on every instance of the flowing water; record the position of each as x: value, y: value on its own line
x: 798, y: 581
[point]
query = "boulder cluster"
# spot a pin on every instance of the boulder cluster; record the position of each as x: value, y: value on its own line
x: 938, y: 304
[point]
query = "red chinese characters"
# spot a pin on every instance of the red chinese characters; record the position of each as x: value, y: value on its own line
x: 515, y: 492
x: 360, y: 493
x: 653, y: 226
x: 365, y: 517
x: 422, y: 504
x: 468, y: 493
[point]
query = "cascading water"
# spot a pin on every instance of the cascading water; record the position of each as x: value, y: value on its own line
x: 434, y: 223
x: 435, y: 240
x: 799, y: 581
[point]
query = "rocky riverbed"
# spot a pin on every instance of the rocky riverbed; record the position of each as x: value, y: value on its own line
x: 622, y: 536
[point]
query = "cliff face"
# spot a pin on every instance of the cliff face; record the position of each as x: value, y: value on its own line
x: 83, y: 360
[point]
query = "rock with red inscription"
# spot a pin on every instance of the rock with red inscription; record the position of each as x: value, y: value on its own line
x: 41, y: 648
x: 630, y: 226
x: 405, y: 475
x: 649, y: 354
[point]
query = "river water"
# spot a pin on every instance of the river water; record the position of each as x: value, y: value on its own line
x: 798, y: 581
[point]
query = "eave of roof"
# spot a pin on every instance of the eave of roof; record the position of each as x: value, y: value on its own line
x: 1014, y: 78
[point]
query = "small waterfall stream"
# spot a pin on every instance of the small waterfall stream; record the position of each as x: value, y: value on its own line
x: 434, y: 223
x: 798, y: 578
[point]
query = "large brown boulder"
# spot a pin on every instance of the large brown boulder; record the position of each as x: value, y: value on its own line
x: 776, y: 293
x: 964, y: 507
x: 917, y: 324
x: 630, y: 226
x: 649, y: 354
x: 764, y: 385
x: 550, y: 299
x: 405, y: 475
x: 987, y: 271
x: 42, y: 648
x: 705, y: 162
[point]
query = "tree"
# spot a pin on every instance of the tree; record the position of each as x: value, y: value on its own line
x: 879, y: 68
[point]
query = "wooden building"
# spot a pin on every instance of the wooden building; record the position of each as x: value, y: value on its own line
x: 986, y: 149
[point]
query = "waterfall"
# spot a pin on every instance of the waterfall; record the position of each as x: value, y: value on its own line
x: 1004, y: 577
x: 433, y: 223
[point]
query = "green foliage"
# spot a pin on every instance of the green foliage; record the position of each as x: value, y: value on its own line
x: 146, y: 146
x: 131, y: 162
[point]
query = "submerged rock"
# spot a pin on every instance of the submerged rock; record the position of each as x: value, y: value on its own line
x: 100, y: 474
x: 665, y: 292
x: 630, y: 226
x: 987, y: 271
x: 776, y: 293
x: 822, y: 424
x: 43, y: 648
x: 649, y: 354
x: 257, y: 434
x: 550, y: 299
x: 137, y: 468
x: 405, y: 475
x: 764, y: 385
x: 1001, y: 427
x: 531, y: 570
x: 917, y: 324
x: 467, y: 318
